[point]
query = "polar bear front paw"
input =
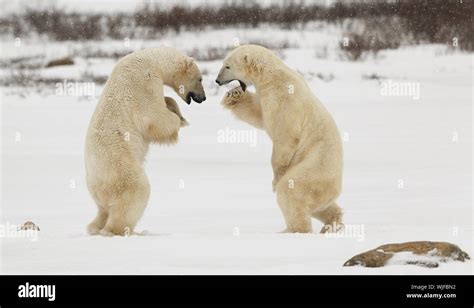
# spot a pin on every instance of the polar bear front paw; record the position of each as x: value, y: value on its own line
x: 233, y: 96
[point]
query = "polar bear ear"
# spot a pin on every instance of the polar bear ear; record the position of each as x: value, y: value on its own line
x: 188, y: 62
x: 252, y: 65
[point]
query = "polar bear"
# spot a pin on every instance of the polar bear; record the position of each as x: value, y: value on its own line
x: 132, y: 113
x: 307, y: 149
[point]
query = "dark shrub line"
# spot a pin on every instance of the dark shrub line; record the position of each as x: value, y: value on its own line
x: 435, y: 21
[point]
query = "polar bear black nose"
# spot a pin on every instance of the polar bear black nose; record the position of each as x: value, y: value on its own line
x: 200, y: 99
x: 218, y: 82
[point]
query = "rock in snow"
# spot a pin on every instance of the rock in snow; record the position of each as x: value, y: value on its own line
x: 423, y: 253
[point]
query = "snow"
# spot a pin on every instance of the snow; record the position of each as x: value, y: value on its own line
x: 408, y: 170
x: 407, y: 257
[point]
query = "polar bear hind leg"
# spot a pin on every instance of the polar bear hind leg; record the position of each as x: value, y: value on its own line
x: 99, y: 221
x: 297, y: 217
x: 127, y: 209
x: 301, y: 196
x: 331, y: 217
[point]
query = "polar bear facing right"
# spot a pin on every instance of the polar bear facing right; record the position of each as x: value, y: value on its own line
x: 132, y: 113
x: 307, y: 157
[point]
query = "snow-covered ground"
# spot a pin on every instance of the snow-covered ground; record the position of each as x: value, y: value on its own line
x: 408, y: 169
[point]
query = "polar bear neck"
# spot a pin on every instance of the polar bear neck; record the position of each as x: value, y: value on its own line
x: 264, y: 68
x: 266, y: 75
x: 168, y: 62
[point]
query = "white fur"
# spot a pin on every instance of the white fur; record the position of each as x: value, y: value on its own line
x: 132, y: 113
x: 307, y: 149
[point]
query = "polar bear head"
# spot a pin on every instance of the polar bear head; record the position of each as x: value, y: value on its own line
x: 247, y: 64
x: 188, y: 82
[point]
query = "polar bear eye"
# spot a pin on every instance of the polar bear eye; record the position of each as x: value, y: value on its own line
x: 200, y: 79
x: 227, y: 67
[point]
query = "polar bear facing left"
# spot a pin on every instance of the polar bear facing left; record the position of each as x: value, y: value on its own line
x: 307, y: 156
x: 132, y: 113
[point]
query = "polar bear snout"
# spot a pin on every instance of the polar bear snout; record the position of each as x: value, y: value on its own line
x: 219, y: 81
x: 223, y: 77
x: 195, y: 97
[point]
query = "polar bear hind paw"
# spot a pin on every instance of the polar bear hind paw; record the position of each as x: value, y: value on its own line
x: 332, y: 228
x: 106, y: 232
x: 93, y: 229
